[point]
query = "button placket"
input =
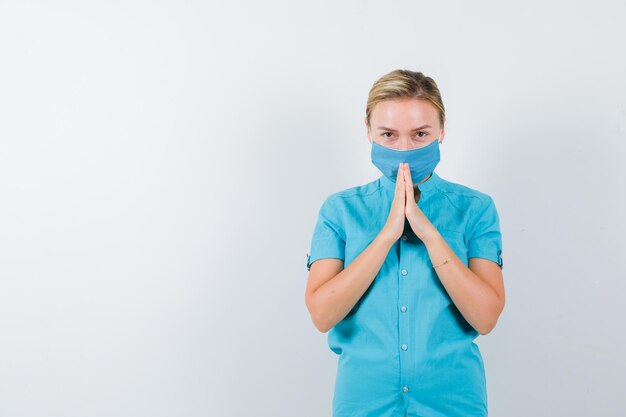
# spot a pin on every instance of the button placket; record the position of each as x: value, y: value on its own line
x: 404, y: 292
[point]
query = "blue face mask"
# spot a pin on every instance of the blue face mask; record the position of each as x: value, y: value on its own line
x: 422, y: 161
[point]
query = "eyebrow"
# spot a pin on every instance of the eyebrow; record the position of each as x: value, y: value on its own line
x: 393, y: 130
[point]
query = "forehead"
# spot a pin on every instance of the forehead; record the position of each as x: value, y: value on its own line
x: 405, y: 108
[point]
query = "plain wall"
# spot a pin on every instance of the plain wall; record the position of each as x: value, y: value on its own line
x: 162, y: 165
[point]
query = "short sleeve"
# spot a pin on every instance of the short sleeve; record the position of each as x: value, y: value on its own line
x: 485, y: 239
x: 328, y: 239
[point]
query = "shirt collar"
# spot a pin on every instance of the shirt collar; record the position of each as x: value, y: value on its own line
x: 424, y: 187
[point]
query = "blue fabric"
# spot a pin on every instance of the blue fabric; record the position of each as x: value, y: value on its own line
x: 422, y: 161
x: 405, y: 347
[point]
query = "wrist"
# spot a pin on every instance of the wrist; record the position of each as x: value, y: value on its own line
x: 430, y: 236
x: 385, y: 239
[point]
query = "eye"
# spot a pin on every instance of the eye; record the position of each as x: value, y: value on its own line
x: 423, y: 133
x: 384, y: 133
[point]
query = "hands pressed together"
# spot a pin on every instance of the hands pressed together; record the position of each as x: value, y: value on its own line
x: 405, y: 206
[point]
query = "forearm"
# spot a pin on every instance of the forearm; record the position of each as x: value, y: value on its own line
x: 477, y: 301
x: 335, y: 299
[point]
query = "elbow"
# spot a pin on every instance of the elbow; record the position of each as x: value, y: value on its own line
x: 486, y: 328
x: 488, y: 325
x: 315, y: 311
x: 319, y: 321
x: 322, y: 327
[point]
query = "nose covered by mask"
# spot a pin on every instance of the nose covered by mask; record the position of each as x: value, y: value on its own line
x: 422, y: 161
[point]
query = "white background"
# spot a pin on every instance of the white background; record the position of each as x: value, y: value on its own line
x: 162, y: 165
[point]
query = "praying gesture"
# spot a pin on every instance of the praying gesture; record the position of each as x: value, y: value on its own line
x: 405, y: 206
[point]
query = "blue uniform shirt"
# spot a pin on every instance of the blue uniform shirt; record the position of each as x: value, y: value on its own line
x: 405, y: 347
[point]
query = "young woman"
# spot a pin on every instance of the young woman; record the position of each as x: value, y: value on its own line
x: 406, y: 271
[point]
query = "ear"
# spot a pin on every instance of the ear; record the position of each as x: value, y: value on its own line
x: 442, y: 135
x: 369, y: 133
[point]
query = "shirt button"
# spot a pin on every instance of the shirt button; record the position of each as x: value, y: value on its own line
x: 405, y: 389
x: 404, y: 347
x: 404, y: 272
x: 404, y: 237
x: 403, y: 308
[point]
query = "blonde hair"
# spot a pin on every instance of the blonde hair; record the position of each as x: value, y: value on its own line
x: 403, y: 83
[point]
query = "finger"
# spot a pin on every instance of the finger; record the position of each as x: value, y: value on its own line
x: 408, y: 184
x: 400, y: 194
x: 400, y: 175
x: 407, y: 173
x: 399, y: 180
